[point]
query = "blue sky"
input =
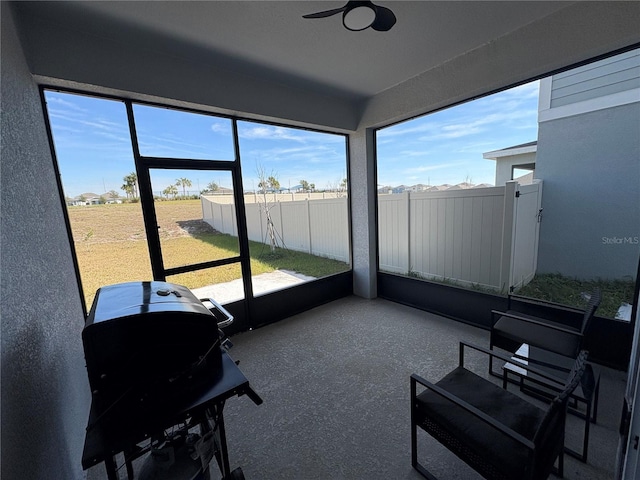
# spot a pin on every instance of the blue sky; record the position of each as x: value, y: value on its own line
x: 446, y: 147
x: 92, y: 143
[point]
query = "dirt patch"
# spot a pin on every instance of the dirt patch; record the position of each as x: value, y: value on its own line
x: 99, y: 224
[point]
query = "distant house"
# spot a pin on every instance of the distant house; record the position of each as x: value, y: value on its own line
x: 514, y: 163
x: 90, y: 198
x: 294, y: 189
x: 461, y: 186
x: 418, y: 188
x: 111, y: 197
x: 86, y: 199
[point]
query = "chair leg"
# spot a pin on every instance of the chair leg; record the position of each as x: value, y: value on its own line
x: 424, y: 472
x: 491, y: 372
x: 414, y: 452
x: 414, y: 437
x: 585, y: 441
x: 559, y: 470
x: 414, y: 427
x: 596, y: 395
x: 414, y: 445
x: 561, y: 460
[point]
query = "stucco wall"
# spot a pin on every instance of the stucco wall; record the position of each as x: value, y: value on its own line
x: 504, y: 166
x: 45, y: 394
x: 590, y: 165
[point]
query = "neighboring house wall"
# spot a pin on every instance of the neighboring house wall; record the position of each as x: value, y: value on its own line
x: 611, y: 76
x: 590, y: 164
x: 504, y: 166
x: 45, y: 393
x: 506, y: 159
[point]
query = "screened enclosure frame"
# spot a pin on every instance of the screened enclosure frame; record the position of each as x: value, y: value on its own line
x: 143, y: 165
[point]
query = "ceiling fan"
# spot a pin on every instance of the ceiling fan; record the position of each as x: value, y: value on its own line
x: 359, y: 15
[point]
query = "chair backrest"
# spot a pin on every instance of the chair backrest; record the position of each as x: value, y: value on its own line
x: 549, y: 438
x: 592, y: 306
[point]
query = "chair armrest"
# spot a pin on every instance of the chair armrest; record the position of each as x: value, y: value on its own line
x: 546, y: 303
x: 509, y: 359
x: 535, y: 322
x: 472, y: 410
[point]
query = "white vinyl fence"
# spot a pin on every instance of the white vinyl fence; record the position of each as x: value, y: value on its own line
x: 481, y: 236
x: 318, y: 227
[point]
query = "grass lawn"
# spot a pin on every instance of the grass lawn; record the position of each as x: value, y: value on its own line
x: 111, y: 247
x: 568, y: 291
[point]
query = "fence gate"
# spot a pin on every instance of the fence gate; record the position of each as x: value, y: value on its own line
x: 526, y: 228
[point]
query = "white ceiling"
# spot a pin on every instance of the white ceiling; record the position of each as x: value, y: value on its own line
x: 271, y: 40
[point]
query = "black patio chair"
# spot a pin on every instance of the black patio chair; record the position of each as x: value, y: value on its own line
x: 494, y: 431
x: 512, y: 329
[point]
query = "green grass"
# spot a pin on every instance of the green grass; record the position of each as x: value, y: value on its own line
x: 568, y: 291
x: 111, y: 247
x: 564, y: 290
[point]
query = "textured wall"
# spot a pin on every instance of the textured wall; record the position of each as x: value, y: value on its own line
x: 504, y: 166
x: 45, y: 394
x: 590, y: 165
x: 363, y: 213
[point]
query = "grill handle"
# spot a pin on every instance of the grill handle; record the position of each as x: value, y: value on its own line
x: 216, y: 306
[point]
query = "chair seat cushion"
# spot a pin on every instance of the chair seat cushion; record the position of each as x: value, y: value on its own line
x: 519, y: 331
x: 478, y: 442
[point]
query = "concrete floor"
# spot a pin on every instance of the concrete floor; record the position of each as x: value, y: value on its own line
x: 335, y: 384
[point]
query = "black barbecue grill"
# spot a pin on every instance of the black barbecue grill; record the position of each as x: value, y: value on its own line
x: 155, y: 358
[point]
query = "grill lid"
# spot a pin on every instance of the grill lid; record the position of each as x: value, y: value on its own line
x: 141, y: 299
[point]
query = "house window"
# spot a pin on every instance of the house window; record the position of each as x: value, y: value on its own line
x: 533, y: 190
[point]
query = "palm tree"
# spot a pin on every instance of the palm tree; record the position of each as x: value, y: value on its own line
x: 130, y: 185
x: 170, y: 190
x: 273, y: 182
x: 183, y: 182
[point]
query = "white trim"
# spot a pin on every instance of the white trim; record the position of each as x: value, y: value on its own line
x: 508, y: 152
x: 600, y: 103
x: 631, y: 458
x: 544, y: 97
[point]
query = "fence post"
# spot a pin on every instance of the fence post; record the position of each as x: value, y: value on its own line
x: 508, y: 234
x: 408, y: 209
x: 309, y: 225
x: 538, y: 221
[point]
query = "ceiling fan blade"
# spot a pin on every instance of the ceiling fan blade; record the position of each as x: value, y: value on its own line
x: 326, y: 13
x: 385, y: 19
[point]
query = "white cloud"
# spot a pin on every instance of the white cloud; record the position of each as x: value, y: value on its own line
x: 55, y: 101
x: 429, y: 168
x: 221, y: 128
x: 267, y: 132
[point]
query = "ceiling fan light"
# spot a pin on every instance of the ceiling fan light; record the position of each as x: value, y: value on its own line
x: 358, y: 18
